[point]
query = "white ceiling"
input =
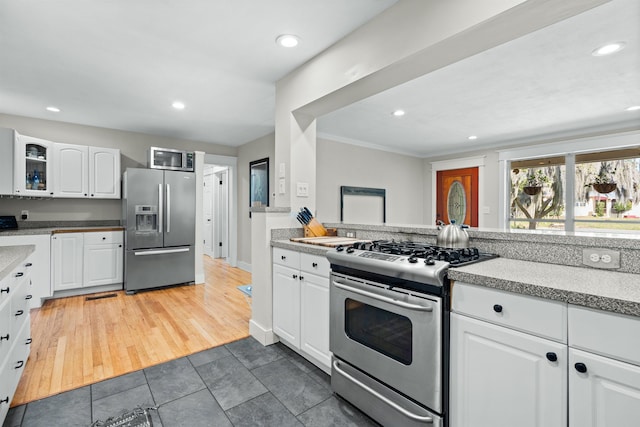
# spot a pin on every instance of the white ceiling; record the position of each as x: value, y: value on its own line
x: 543, y: 84
x: 120, y: 64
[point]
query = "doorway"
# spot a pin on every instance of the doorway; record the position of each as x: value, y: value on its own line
x: 215, y: 209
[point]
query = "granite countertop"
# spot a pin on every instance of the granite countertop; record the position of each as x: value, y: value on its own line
x: 589, y: 287
x: 11, y: 256
x: 53, y: 230
x: 301, y: 247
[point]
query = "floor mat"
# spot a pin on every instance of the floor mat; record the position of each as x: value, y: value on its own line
x: 138, y: 417
x: 245, y: 289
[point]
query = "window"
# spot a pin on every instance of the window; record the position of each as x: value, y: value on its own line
x: 590, y: 191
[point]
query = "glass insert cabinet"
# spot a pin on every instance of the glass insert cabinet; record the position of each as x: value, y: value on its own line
x: 32, y: 166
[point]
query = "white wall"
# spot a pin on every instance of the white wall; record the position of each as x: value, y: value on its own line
x: 341, y: 164
x: 133, y: 148
x: 255, y: 150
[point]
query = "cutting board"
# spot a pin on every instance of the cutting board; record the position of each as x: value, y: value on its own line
x: 330, y: 241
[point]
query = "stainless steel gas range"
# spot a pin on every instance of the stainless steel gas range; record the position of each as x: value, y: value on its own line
x: 389, y: 328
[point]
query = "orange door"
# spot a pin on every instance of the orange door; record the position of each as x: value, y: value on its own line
x: 457, y: 196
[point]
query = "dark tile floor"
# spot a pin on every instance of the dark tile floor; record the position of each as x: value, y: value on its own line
x: 239, y: 384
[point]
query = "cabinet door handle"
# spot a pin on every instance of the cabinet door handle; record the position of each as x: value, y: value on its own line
x: 3, y: 290
x: 19, y: 313
x: 104, y: 238
x: 301, y: 278
x: 314, y: 265
x: 19, y: 365
x: 19, y: 274
x: 28, y: 264
x: 497, y: 308
x: 28, y: 297
x: 581, y: 367
x: 28, y: 341
x: 283, y: 257
x: 4, y: 337
x: 5, y: 400
x: 552, y: 357
x: 295, y: 276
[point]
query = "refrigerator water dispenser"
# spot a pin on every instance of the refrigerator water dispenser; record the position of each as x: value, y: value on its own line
x: 146, y: 219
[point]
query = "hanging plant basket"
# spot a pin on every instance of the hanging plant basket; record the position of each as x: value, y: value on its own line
x: 605, y: 188
x: 532, y: 191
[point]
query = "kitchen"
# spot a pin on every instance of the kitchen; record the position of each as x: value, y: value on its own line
x: 326, y: 203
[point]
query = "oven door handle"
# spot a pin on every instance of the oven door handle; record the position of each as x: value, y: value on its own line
x: 388, y: 300
x: 418, y: 418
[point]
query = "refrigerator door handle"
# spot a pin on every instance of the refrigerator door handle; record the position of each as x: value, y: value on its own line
x: 160, y: 208
x: 161, y: 251
x: 168, y: 208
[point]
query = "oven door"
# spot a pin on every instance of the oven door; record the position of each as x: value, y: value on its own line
x: 394, y: 335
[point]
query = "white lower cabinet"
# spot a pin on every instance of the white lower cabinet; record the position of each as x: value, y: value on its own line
x: 86, y: 260
x: 41, y: 288
x: 502, y: 377
x: 301, y: 303
x: 503, y: 373
x: 15, y: 329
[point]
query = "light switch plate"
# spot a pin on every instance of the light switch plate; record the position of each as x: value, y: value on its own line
x: 302, y: 189
x: 281, y: 186
x: 281, y: 171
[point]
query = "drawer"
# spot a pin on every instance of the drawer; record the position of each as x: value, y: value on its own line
x: 98, y: 238
x: 315, y: 264
x: 286, y: 257
x: 20, y: 305
x: 544, y: 318
x: 605, y: 333
x: 6, y: 336
x: 6, y: 389
x: 5, y: 288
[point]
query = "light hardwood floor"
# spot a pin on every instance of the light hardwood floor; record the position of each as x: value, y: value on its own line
x: 77, y: 342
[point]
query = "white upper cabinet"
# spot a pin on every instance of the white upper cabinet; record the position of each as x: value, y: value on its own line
x: 32, y: 166
x: 71, y: 170
x: 104, y: 173
x: 82, y: 171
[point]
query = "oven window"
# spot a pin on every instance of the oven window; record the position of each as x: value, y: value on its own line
x: 383, y: 331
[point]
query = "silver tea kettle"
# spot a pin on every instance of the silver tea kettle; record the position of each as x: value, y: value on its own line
x: 452, y: 235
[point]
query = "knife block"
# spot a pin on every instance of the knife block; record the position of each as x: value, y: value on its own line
x: 315, y: 229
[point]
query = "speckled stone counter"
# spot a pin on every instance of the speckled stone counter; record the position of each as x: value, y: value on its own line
x: 53, y: 230
x: 11, y: 256
x: 301, y: 247
x: 600, y: 289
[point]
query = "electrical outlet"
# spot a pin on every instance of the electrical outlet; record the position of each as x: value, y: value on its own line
x: 351, y: 234
x: 24, y: 215
x: 302, y: 189
x: 601, y: 258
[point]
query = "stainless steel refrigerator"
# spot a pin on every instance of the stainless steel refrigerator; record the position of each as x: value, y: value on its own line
x: 159, y: 216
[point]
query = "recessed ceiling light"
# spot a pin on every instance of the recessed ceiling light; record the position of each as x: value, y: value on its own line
x: 178, y: 105
x: 53, y: 109
x: 472, y: 137
x: 398, y: 113
x: 634, y: 108
x: 608, y: 49
x: 287, y: 40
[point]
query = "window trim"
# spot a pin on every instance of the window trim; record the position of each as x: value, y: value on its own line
x: 561, y: 147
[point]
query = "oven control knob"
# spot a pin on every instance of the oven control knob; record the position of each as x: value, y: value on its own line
x: 350, y: 250
x: 430, y: 261
x: 340, y: 248
x: 412, y: 259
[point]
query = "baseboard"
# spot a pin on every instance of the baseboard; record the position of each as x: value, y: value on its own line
x: 263, y: 336
x: 86, y: 291
x: 244, y: 266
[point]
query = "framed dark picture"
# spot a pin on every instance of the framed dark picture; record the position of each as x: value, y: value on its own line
x: 259, y: 183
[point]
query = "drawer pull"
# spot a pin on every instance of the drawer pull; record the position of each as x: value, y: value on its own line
x: 314, y: 265
x: 581, y: 367
x: 295, y: 276
x: 5, y: 400
x: 19, y: 313
x: 104, y: 238
x: 19, y: 274
x: 28, y: 341
x: 283, y: 257
x: 4, y: 337
x: 28, y: 297
x: 301, y: 278
x: 497, y: 308
x: 19, y: 365
x: 552, y: 357
x: 28, y: 264
x: 3, y: 290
